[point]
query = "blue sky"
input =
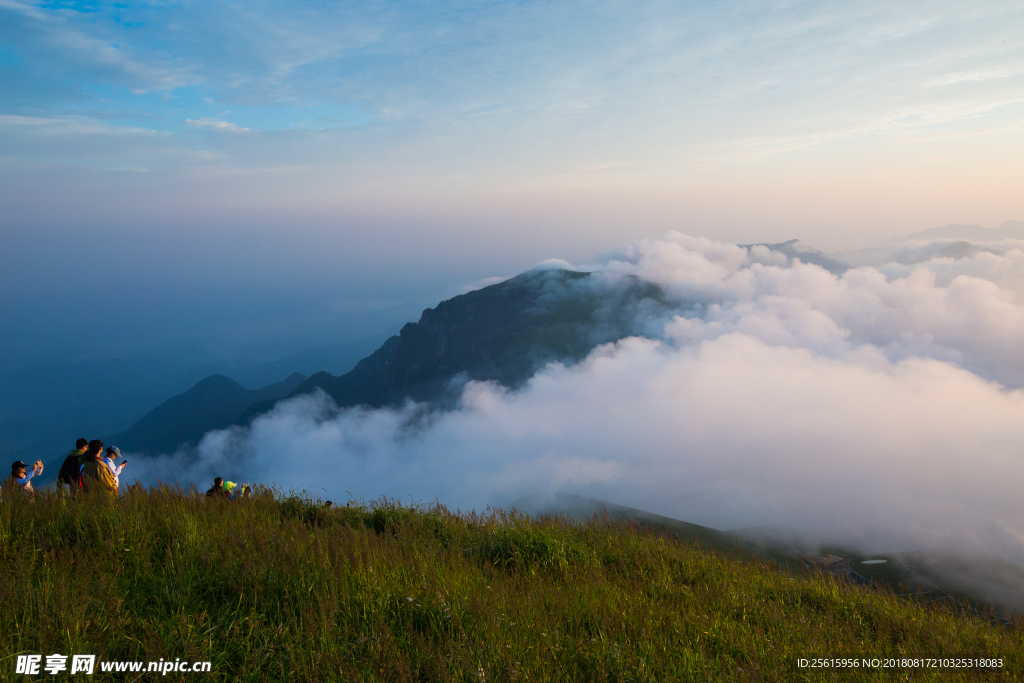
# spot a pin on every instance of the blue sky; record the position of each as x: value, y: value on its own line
x: 505, y: 95
x: 425, y: 145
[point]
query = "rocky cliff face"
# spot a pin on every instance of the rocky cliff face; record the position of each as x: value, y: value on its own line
x: 505, y: 332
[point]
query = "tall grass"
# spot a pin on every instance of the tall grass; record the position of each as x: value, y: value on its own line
x: 279, y: 588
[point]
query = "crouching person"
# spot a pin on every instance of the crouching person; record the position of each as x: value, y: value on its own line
x: 96, y: 476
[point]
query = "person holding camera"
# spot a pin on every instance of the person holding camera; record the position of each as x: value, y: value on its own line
x: 23, y: 478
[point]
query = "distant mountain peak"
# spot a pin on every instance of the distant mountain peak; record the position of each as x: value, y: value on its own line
x: 215, y: 402
x: 795, y: 249
x: 971, y: 233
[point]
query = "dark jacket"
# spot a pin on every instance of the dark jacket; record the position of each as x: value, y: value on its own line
x: 68, y: 474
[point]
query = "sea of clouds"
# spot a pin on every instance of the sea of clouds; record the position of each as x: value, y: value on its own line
x: 881, y: 407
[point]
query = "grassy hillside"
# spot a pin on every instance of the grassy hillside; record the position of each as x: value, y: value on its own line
x: 279, y: 588
x: 986, y: 582
x: 582, y: 509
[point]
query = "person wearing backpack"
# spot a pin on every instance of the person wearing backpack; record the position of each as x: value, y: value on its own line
x: 68, y: 475
x: 115, y: 469
x: 96, y: 476
x: 217, y: 489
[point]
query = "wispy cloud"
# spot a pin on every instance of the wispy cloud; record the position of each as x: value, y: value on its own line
x: 216, y: 124
x: 69, y: 125
x: 490, y: 67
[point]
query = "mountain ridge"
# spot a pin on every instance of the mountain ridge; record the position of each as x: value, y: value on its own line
x: 1009, y: 229
x: 504, y: 332
x: 213, y: 403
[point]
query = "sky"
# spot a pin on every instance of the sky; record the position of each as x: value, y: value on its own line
x: 286, y: 144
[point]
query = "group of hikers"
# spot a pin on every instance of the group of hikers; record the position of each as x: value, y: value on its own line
x: 227, y: 489
x: 88, y: 468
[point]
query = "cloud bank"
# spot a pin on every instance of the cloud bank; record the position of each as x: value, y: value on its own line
x: 882, y: 407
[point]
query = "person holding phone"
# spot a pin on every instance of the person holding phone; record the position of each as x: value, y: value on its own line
x: 115, y: 469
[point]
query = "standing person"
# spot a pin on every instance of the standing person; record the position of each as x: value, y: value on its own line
x: 115, y: 469
x: 68, y: 475
x: 93, y: 450
x: 96, y: 476
x: 216, y: 489
x: 23, y: 479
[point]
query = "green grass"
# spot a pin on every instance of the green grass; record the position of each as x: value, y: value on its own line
x: 277, y: 588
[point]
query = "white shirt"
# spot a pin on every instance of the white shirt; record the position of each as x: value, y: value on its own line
x: 115, y: 470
